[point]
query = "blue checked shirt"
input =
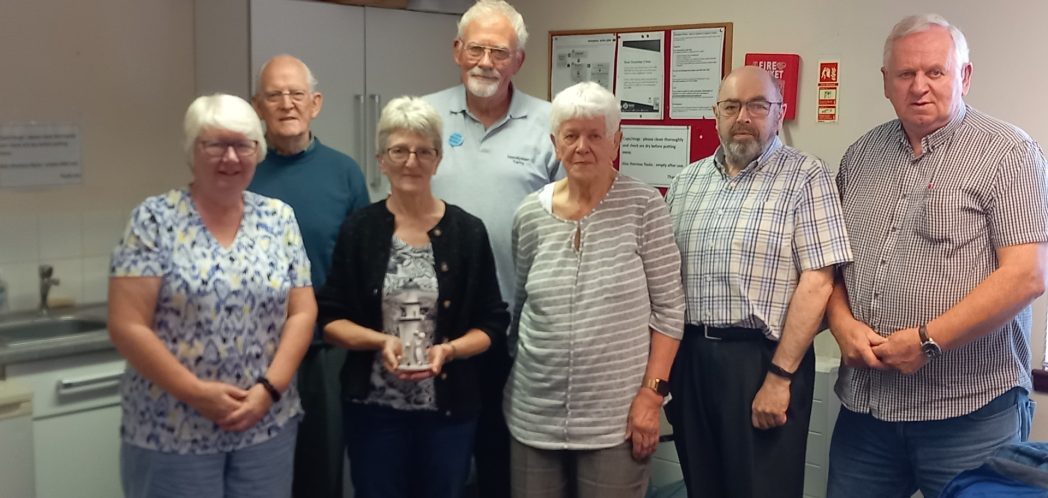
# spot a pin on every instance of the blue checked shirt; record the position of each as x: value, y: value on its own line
x: 745, y: 240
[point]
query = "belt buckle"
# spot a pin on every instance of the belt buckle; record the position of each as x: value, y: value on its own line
x: 706, y: 333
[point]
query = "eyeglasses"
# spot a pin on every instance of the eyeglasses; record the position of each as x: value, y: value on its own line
x: 297, y: 96
x: 400, y: 154
x: 476, y: 52
x: 756, y: 108
x: 214, y: 148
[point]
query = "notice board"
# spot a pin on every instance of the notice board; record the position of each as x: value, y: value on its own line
x: 666, y: 78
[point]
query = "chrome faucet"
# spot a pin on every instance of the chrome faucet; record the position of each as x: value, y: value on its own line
x: 46, y: 282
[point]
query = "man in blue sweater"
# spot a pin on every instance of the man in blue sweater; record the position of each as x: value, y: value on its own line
x: 323, y: 186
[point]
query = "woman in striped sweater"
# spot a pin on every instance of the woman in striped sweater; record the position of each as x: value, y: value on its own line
x: 598, y: 315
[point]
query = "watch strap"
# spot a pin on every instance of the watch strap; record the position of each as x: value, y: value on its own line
x: 660, y: 386
x: 780, y: 372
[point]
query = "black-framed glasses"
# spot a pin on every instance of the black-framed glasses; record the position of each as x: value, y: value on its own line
x: 476, y: 52
x: 297, y: 96
x: 757, y: 108
x: 218, y: 148
x: 400, y: 154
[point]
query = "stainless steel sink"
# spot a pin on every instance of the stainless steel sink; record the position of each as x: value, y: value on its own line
x: 17, y: 333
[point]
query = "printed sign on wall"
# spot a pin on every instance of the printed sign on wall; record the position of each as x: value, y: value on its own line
x: 828, y: 87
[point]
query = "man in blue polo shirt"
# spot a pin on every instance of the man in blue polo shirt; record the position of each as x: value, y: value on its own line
x: 323, y: 185
x: 497, y: 149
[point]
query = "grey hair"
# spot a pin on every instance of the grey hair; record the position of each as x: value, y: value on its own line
x: 223, y: 112
x: 586, y: 100
x: 410, y: 114
x: 487, y: 8
x: 922, y: 22
x: 310, y: 79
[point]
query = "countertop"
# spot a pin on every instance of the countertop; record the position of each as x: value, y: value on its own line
x: 74, y: 344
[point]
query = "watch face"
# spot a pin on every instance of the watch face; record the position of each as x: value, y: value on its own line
x: 931, y: 349
x: 662, y: 387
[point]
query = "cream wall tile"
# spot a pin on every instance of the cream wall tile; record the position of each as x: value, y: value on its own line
x: 96, y: 279
x: 61, y: 235
x: 102, y: 230
x: 19, y: 239
x: 23, y: 291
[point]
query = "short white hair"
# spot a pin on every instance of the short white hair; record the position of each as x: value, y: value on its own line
x: 310, y: 80
x: 923, y: 22
x: 222, y: 112
x: 411, y: 114
x: 487, y: 8
x: 586, y: 100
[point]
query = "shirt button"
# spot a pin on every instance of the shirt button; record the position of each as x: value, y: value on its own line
x: 437, y: 232
x: 443, y: 376
x: 444, y: 267
x: 894, y: 229
x: 447, y: 413
x: 884, y: 261
x: 447, y: 303
x: 374, y: 292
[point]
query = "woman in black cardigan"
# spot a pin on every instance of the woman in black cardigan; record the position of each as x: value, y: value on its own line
x: 412, y: 294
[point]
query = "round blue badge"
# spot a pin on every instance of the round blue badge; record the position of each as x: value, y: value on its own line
x: 455, y: 139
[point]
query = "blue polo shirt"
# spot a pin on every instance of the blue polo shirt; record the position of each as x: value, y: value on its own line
x: 323, y: 186
x: 488, y: 172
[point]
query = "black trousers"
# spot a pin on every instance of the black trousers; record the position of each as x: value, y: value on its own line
x: 721, y: 454
x: 320, y: 449
x: 491, y: 446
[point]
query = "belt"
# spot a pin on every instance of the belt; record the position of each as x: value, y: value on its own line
x: 726, y: 333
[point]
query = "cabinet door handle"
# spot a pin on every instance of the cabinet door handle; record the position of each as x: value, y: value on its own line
x: 66, y: 386
x: 375, y: 176
x: 362, y: 136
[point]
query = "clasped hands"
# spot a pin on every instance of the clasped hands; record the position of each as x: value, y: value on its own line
x: 864, y: 348
x: 392, y: 350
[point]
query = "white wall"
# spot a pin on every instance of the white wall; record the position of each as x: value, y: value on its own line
x: 1003, y: 36
x: 123, y: 71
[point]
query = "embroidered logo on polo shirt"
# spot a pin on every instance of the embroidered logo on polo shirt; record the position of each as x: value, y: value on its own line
x: 455, y: 139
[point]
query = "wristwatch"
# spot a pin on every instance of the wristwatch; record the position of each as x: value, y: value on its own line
x: 660, y: 386
x: 930, y: 348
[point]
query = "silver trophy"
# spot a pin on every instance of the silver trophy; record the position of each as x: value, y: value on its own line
x: 412, y: 337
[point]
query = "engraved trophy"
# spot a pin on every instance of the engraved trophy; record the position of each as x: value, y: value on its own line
x: 412, y: 337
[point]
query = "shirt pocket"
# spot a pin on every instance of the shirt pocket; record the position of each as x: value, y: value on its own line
x: 949, y: 216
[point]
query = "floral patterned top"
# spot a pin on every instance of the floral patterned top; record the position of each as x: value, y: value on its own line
x: 220, y: 311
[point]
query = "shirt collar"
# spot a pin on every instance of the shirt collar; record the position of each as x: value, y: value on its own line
x: 721, y: 163
x: 517, y: 107
x: 309, y: 148
x: 938, y: 137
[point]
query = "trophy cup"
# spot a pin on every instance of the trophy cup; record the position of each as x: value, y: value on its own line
x: 412, y: 337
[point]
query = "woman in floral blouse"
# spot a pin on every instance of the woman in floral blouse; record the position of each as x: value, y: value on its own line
x: 211, y: 303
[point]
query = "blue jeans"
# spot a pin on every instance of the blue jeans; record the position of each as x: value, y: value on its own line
x: 401, y: 454
x: 262, y: 470
x: 877, y: 459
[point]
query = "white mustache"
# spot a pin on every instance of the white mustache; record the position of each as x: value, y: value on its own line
x: 484, y: 73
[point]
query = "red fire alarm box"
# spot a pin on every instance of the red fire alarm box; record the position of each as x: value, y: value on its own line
x: 785, y: 68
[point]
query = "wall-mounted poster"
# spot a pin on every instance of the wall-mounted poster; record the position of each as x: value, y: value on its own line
x: 578, y: 58
x: 639, y: 73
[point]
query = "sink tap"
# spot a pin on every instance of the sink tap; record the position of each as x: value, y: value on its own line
x: 46, y: 282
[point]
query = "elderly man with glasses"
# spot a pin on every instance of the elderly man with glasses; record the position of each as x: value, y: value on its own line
x: 760, y: 230
x: 323, y: 186
x: 497, y: 150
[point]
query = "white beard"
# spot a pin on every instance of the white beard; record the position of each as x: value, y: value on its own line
x: 481, y: 87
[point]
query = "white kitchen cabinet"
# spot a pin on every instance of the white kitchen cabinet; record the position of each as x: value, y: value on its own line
x: 76, y: 423
x: 361, y: 56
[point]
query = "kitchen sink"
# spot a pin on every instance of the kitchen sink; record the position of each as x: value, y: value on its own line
x: 18, y: 333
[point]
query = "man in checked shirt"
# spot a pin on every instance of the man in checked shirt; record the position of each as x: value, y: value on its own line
x: 760, y: 230
x: 946, y: 208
